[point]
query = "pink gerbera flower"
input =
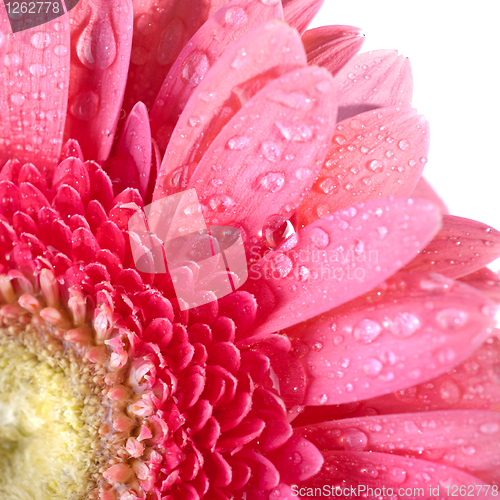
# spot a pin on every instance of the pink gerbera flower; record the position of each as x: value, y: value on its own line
x: 358, y: 353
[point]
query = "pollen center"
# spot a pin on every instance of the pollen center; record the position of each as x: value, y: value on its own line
x: 46, y: 435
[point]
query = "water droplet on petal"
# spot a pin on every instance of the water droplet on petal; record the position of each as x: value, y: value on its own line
x: 376, y: 165
x: 96, y: 47
x: 281, y: 264
x: 303, y: 173
x: 329, y: 185
x: 40, y: 40
x: 271, y: 151
x: 238, y: 143
x: 398, y: 475
x: 60, y: 50
x: 382, y: 232
x: 354, y: 439
x: 277, y: 231
x: 273, y: 181
x: 322, y: 399
x: 270, y: 2
x: 404, y: 325
x: 490, y: 428
x: 296, y: 458
x: 17, y: 98
x: 295, y: 100
x: 452, y: 319
x: 221, y: 203
x: 38, y: 69
x: 236, y: 17
x: 366, y: 331
x: 445, y: 355
x: 85, y: 105
x: 319, y: 238
x: 195, y: 68
x: 294, y: 132
x: 372, y: 367
x: 404, y: 144
x: 450, y: 392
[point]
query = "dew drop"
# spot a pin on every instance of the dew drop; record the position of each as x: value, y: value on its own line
x: 96, y: 46
x: 295, y: 100
x: 340, y: 139
x: 450, y: 392
x: 221, y: 203
x: 398, y: 475
x: 376, y: 165
x: 303, y: 173
x: 355, y: 440
x: 17, y: 98
x: 452, y: 319
x: 372, y: 367
x: 273, y: 181
x: 38, y: 69
x: 85, y: 105
x: 281, y: 264
x: 490, y: 428
x: 195, y: 68
x: 236, y: 17
x: 294, y: 132
x: 445, y: 355
x: 382, y: 232
x: 238, y: 143
x: 328, y: 185
x: 12, y: 60
x: 404, y: 325
x: 296, y: 458
x: 323, y: 399
x: 271, y: 151
x: 40, y: 40
x: 404, y: 144
x: 240, y: 60
x: 366, y: 331
x: 277, y: 231
x: 60, y: 50
x: 319, y: 238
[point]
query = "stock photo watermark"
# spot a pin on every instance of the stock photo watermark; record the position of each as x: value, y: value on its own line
x: 24, y: 15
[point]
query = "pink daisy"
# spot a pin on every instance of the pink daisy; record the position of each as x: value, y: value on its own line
x: 359, y: 351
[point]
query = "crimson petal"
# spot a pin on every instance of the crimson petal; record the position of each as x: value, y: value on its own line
x: 343, y: 256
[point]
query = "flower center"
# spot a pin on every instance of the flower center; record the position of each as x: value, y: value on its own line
x: 47, y: 430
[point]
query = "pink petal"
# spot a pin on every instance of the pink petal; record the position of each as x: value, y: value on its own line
x: 297, y: 460
x: 474, y: 384
x: 202, y: 118
x: 35, y: 64
x: 461, y: 247
x: 205, y: 47
x: 159, y: 37
x: 465, y: 439
x: 342, y: 256
x: 372, y: 80
x: 332, y: 46
x: 246, y: 187
x: 424, y: 190
x: 99, y: 65
x: 379, y: 343
x: 373, y: 155
x: 299, y: 13
x: 484, y: 280
x: 264, y: 474
x: 389, y: 473
x: 136, y: 142
x: 72, y: 172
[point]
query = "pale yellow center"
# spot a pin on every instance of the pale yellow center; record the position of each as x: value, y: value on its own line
x: 45, y: 447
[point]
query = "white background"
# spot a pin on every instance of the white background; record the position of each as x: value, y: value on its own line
x: 454, y: 51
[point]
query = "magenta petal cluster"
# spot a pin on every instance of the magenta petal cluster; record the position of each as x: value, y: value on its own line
x: 360, y: 352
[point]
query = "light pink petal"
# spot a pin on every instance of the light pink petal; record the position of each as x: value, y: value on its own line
x: 389, y: 473
x: 466, y: 439
x: 100, y: 53
x: 341, y: 257
x: 299, y: 13
x: 136, y: 142
x: 381, y: 342
x: 33, y: 92
x: 424, y: 190
x: 376, y: 79
x: 461, y: 247
x: 485, y: 280
x: 474, y: 384
x: 373, y: 155
x: 205, y: 47
x: 229, y: 86
x: 159, y: 36
x: 332, y: 46
x: 239, y: 180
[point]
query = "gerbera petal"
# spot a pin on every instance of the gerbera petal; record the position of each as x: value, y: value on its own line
x: 332, y: 46
x: 33, y: 92
x: 376, y: 79
x: 387, y: 475
x: 461, y: 247
x: 342, y: 256
x: 228, y: 86
x: 424, y: 190
x: 299, y: 13
x: 159, y: 36
x: 485, y: 280
x: 296, y: 126
x: 135, y: 143
x: 373, y: 155
x: 205, y: 47
x: 378, y: 343
x: 465, y: 439
x: 474, y: 384
x: 101, y: 43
